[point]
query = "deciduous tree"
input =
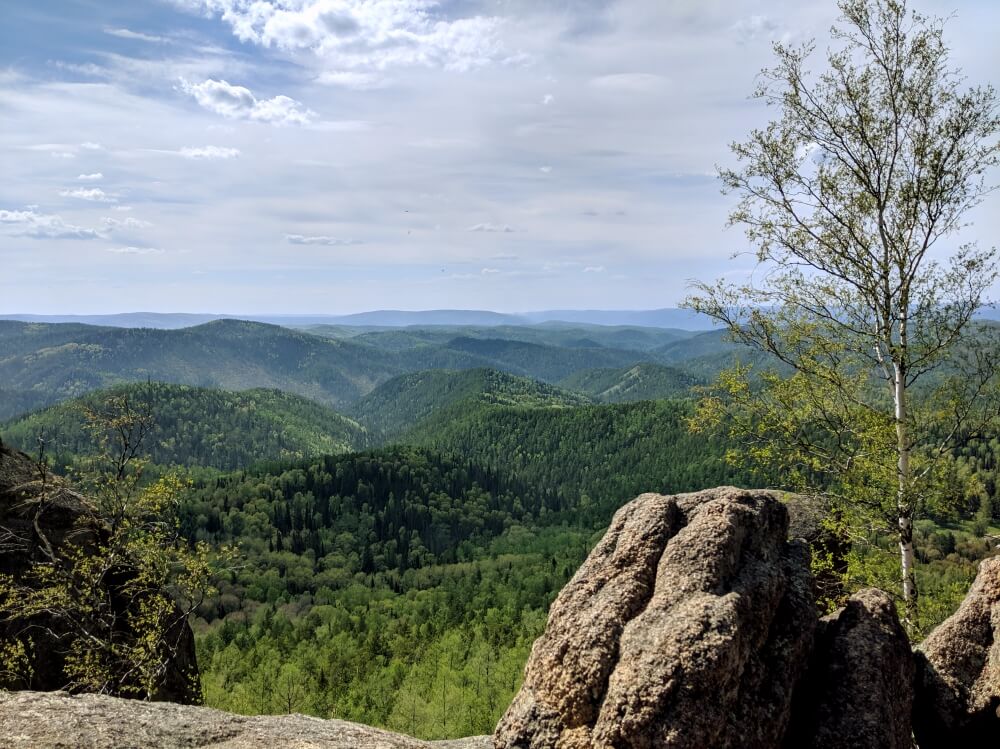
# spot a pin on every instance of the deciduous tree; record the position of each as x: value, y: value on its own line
x: 852, y: 198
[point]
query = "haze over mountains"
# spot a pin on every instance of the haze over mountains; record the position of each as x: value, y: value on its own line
x: 661, y: 318
x: 336, y: 365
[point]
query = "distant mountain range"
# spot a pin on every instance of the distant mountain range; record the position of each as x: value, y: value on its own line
x: 657, y: 318
x: 337, y: 365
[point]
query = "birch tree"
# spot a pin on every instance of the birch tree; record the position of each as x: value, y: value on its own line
x: 853, y: 198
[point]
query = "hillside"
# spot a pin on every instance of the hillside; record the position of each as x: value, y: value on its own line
x: 43, y: 363
x: 66, y: 361
x: 585, y: 460
x: 642, y: 382
x: 435, y: 397
x: 625, y: 338
x: 549, y: 363
x: 199, y: 426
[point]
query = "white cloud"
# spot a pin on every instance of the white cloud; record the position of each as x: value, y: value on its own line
x: 116, y: 224
x: 209, y: 152
x: 545, y: 169
x: 93, y: 194
x: 548, y: 99
x: 488, y: 227
x: 755, y: 27
x: 361, y: 34
x: 136, y: 250
x: 239, y: 102
x: 328, y: 241
x: 36, y: 225
x: 629, y: 82
x: 594, y: 269
x: 91, y: 146
x: 129, y: 34
x: 489, y: 271
x: 352, y: 79
x: 95, y: 177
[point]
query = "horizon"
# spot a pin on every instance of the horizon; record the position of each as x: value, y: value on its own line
x: 185, y: 154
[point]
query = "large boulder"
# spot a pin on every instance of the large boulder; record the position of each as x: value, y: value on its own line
x: 689, y: 625
x: 42, y: 517
x: 958, y: 683
x: 55, y: 720
x: 858, y: 691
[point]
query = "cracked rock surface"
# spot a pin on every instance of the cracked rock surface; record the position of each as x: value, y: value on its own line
x: 958, y: 682
x: 56, y: 720
x: 688, y: 626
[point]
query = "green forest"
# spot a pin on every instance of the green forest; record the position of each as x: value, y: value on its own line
x: 396, y: 554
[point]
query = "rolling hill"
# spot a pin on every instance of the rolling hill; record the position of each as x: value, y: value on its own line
x: 44, y: 363
x: 642, y: 382
x: 71, y: 360
x: 199, y: 426
x: 624, y: 338
x: 425, y: 400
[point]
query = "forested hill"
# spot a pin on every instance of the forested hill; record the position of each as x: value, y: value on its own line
x: 622, y: 338
x: 435, y: 397
x: 198, y: 426
x: 644, y: 381
x: 43, y: 363
x: 228, y: 354
x: 589, y: 459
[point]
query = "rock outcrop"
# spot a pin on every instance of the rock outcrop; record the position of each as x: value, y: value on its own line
x: 688, y: 626
x: 958, y: 684
x: 42, y: 515
x: 858, y: 691
x: 51, y: 720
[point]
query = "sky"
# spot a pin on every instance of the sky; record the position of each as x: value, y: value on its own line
x: 335, y: 156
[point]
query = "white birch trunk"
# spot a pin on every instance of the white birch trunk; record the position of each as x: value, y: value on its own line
x: 904, y: 509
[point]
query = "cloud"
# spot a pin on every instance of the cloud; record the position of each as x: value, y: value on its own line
x: 352, y: 79
x: 489, y: 271
x: 629, y: 82
x: 95, y: 177
x: 128, y: 34
x: 116, y: 224
x: 135, y: 250
x: 594, y: 269
x: 328, y: 241
x: 548, y: 99
x: 488, y: 227
x: 91, y: 146
x: 545, y: 169
x: 43, y: 226
x: 209, y: 152
x: 239, y: 102
x: 361, y: 34
x: 93, y: 194
x: 755, y: 27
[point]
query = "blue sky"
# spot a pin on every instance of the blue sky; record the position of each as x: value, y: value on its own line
x: 329, y: 156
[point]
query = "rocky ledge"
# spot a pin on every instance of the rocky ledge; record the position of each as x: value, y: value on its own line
x: 51, y: 720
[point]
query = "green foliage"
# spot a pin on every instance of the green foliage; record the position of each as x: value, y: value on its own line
x: 401, y: 588
x: 100, y: 593
x: 431, y: 399
x: 642, y: 382
x: 870, y: 163
x: 198, y: 427
x: 588, y: 460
